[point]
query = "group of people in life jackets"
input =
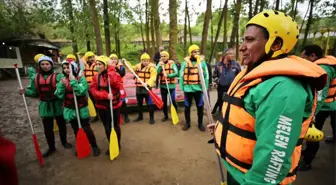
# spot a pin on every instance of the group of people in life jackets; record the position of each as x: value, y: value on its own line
x: 266, y: 111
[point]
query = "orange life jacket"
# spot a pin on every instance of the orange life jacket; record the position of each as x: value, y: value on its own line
x: 46, y: 87
x: 69, y: 101
x: 235, y: 134
x: 89, y: 72
x: 331, y: 61
x: 144, y: 74
x: 169, y: 70
x: 190, y: 75
x: 103, y: 86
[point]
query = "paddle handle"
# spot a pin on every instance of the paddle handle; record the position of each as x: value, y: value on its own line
x: 24, y: 97
x: 205, y: 92
x: 75, y: 99
x: 164, y: 72
x: 130, y: 69
x: 111, y: 104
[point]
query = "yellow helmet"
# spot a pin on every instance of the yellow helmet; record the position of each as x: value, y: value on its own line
x: 102, y: 59
x: 279, y: 25
x: 89, y: 54
x: 313, y: 134
x: 37, y: 57
x: 71, y: 56
x: 113, y: 56
x: 144, y: 57
x: 165, y: 53
x: 193, y: 48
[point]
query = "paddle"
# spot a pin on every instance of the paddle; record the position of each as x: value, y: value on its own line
x: 157, y: 101
x: 114, y: 146
x: 92, y: 110
x: 208, y: 109
x: 36, y: 145
x: 82, y: 143
x: 173, y: 112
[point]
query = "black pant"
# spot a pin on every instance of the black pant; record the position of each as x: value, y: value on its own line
x: 164, y: 96
x: 312, y: 147
x: 87, y: 129
x: 220, y: 91
x: 124, y: 110
x: 105, y: 116
x: 140, y: 97
x: 333, y: 123
x: 198, y: 96
x: 48, y: 125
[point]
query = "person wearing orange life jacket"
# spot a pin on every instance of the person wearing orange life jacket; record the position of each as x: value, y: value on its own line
x: 269, y: 106
x: 147, y: 73
x: 100, y: 91
x: 326, y: 105
x: 50, y: 107
x: 122, y: 72
x: 65, y: 88
x: 171, y: 72
x: 190, y: 84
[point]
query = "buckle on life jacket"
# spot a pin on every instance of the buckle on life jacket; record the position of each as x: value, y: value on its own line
x: 232, y: 100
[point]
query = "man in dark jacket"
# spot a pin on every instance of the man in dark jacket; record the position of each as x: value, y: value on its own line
x: 224, y: 73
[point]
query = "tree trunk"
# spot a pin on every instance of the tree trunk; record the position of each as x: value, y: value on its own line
x: 107, y: 28
x: 88, y: 45
x: 173, y: 29
x: 147, y: 27
x: 225, y: 25
x: 71, y: 26
x: 309, y: 22
x: 262, y: 5
x: 211, y: 31
x: 185, y: 30
x: 256, y: 7
x: 95, y: 21
x: 86, y: 23
x: 189, y: 27
x: 155, y: 11
x: 141, y: 29
x: 219, y: 26
x: 277, y: 4
x: 295, y: 10
x: 250, y: 9
x: 152, y: 28
x: 206, y: 27
x: 235, y: 23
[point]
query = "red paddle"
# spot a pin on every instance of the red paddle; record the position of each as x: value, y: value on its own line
x: 36, y: 145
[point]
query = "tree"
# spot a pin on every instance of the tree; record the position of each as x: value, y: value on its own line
x: 147, y: 26
x: 155, y: 8
x: 141, y: 30
x: 309, y: 22
x: 250, y: 9
x: 256, y: 8
x: 71, y: 26
x: 262, y: 5
x: 225, y: 24
x: 107, y: 28
x: 185, y: 30
x: 95, y: 21
x: 277, y: 4
x: 190, y: 36
x: 152, y: 29
x: 235, y: 23
x: 173, y: 29
x: 206, y: 27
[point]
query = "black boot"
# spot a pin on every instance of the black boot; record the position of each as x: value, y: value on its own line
x: 186, y: 127
x: 138, y: 119
x: 49, y: 152
x: 201, y: 127
x: 126, y: 119
x: 330, y: 139
x: 151, y: 121
x: 107, y: 152
x: 96, y: 151
x: 67, y: 145
x: 164, y: 119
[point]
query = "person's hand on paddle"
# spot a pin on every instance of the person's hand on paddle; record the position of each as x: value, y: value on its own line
x: 123, y: 60
x: 161, y: 63
x: 110, y: 96
x: 110, y: 62
x: 211, y: 128
x: 71, y: 77
x: 22, y: 91
x: 63, y: 80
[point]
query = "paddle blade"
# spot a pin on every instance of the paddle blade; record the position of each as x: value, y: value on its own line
x: 92, y: 110
x: 55, y: 126
x: 114, y: 146
x: 174, y: 115
x: 37, y: 150
x: 82, y: 144
x: 223, y: 183
x: 157, y: 101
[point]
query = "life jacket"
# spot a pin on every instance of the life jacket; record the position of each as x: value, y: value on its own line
x: 235, y: 134
x: 169, y: 70
x: 331, y: 61
x: 69, y: 101
x: 89, y: 72
x: 103, y: 86
x: 46, y: 87
x: 144, y: 74
x: 190, y: 75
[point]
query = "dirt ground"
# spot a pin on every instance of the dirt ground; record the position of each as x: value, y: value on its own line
x: 159, y: 154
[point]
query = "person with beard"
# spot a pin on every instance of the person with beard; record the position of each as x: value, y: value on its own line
x: 120, y: 68
x: 147, y: 73
x: 269, y: 106
x: 225, y: 71
x: 65, y: 88
x: 100, y: 91
x: 190, y: 84
x: 50, y: 107
x: 170, y: 74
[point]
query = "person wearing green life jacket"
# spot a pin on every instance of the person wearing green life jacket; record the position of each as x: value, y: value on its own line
x: 171, y: 72
x: 50, y: 107
x: 64, y: 90
x: 190, y: 84
x: 34, y: 69
x: 269, y: 105
x: 326, y: 105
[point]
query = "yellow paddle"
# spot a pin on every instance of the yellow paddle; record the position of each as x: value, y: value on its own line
x: 114, y: 146
x: 173, y: 112
x: 92, y: 110
x: 55, y: 126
